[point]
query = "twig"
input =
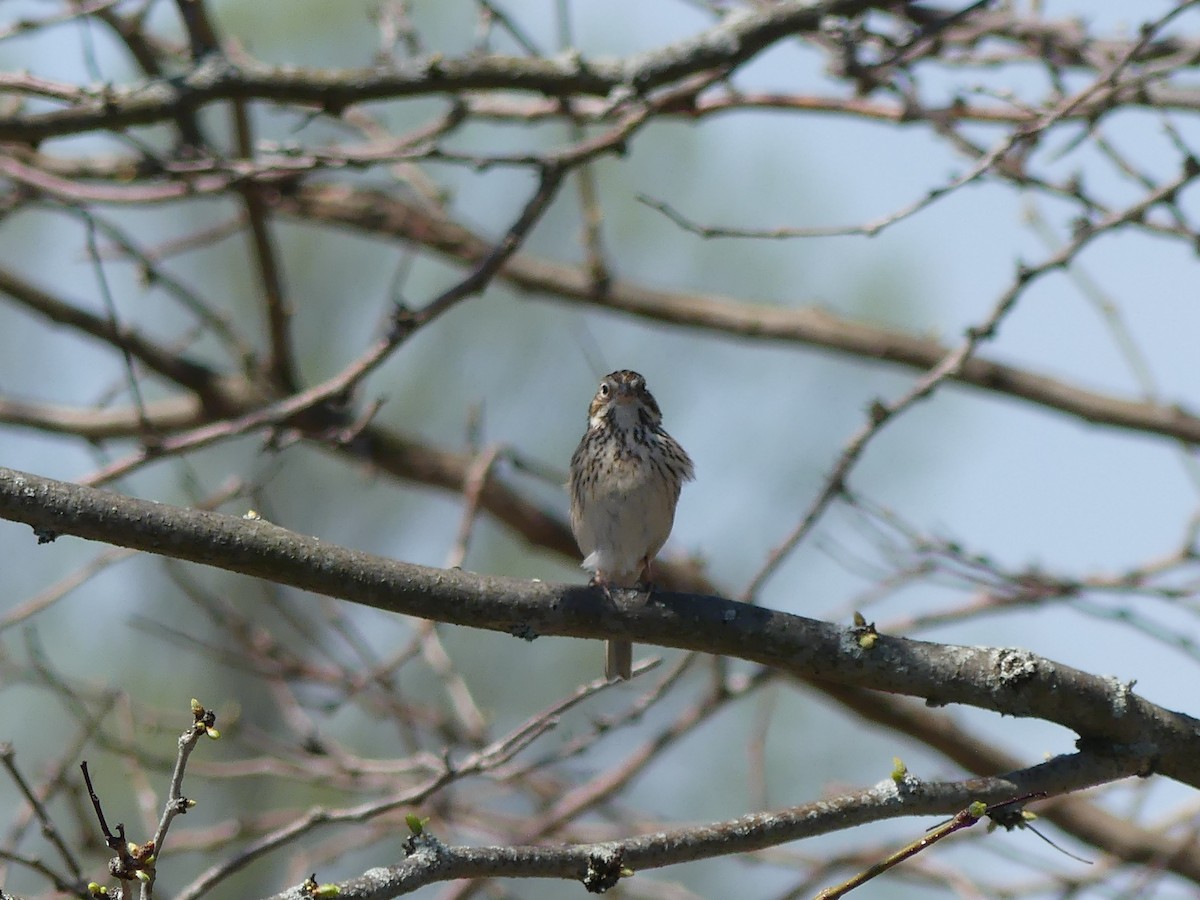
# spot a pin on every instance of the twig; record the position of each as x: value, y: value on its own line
x: 49, y: 829
x: 203, y: 722
x: 963, y: 819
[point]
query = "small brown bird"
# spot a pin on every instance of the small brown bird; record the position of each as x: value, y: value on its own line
x: 626, y: 475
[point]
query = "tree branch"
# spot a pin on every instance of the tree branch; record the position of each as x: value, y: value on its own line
x: 1012, y: 682
x: 735, y: 39
x: 378, y: 213
x: 598, y: 866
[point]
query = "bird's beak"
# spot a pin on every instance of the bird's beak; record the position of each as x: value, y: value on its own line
x: 624, y: 394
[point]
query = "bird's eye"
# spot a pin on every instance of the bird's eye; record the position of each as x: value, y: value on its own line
x: 604, y: 389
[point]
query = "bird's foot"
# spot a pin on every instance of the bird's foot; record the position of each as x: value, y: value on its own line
x: 598, y: 580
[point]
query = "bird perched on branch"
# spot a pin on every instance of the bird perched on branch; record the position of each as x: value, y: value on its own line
x: 626, y: 475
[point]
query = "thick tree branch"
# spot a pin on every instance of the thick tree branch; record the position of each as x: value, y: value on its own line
x: 1013, y: 682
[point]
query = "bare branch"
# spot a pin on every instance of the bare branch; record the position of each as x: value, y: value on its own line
x: 1008, y: 681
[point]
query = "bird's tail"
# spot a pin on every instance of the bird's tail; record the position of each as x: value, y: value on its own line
x: 618, y: 660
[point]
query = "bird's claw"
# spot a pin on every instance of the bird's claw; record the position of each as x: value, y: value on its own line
x: 599, y: 581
